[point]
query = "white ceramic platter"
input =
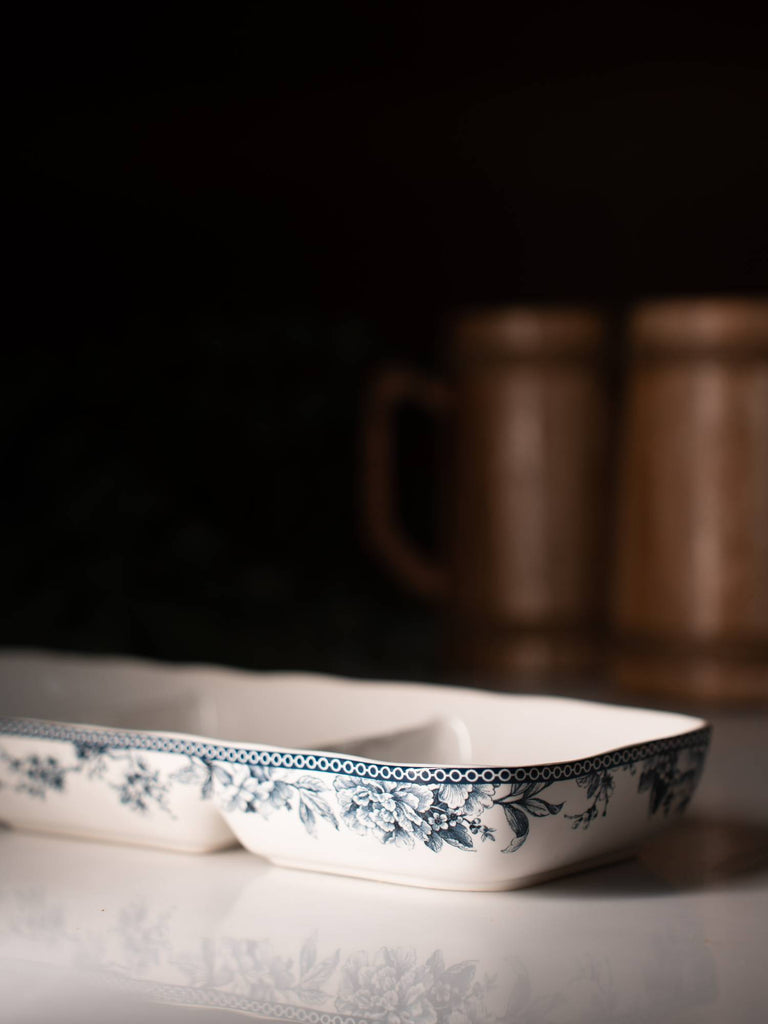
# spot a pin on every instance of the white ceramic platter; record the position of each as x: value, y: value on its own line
x: 424, y: 785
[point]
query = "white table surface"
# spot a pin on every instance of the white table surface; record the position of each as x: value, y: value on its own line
x: 91, y: 931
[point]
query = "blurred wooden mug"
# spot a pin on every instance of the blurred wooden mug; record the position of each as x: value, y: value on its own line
x: 523, y: 518
x: 691, y: 589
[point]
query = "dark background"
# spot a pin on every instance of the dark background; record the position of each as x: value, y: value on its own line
x: 221, y: 220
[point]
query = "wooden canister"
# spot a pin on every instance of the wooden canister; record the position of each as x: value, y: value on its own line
x: 526, y: 542
x: 521, y: 576
x: 691, y: 589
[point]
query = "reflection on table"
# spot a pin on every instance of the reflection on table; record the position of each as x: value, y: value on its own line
x: 676, y: 935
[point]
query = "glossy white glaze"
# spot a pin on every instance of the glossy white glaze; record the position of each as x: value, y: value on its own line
x: 424, y: 785
x: 678, y: 935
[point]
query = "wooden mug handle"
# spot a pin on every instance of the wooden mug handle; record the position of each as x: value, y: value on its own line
x: 392, y: 387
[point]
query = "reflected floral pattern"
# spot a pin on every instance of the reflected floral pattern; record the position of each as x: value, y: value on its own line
x: 270, y: 958
x: 393, y: 986
x: 270, y: 980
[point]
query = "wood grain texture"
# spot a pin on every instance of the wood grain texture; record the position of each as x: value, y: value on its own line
x: 526, y: 495
x: 691, y: 584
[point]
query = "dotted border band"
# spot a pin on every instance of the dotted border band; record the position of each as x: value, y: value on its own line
x: 235, y: 753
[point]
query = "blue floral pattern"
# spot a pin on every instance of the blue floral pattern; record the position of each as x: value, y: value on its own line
x: 523, y: 801
x: 671, y: 784
x: 599, y: 786
x: 445, y: 809
x: 138, y: 787
x: 407, y: 814
x: 388, y: 811
x: 401, y: 813
x: 254, y: 789
x: 35, y: 775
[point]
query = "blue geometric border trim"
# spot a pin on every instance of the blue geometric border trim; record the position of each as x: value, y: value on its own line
x: 238, y: 754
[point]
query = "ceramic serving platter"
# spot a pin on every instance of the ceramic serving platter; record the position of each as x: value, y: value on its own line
x: 425, y: 785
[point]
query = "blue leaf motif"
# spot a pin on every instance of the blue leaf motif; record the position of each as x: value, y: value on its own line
x: 197, y: 773
x: 599, y: 786
x: 434, y: 842
x: 221, y: 776
x: 458, y: 836
x: 307, y: 817
x: 310, y: 783
x: 522, y: 800
x: 592, y: 782
x: 518, y: 822
x: 540, y: 808
x: 320, y: 807
x: 671, y: 786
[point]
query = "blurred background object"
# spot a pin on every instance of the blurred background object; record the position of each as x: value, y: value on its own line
x: 691, y: 605
x: 524, y: 512
x: 222, y: 222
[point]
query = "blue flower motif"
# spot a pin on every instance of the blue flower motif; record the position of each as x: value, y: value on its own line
x: 392, y: 811
x: 671, y: 785
x: 39, y: 774
x: 400, y: 813
x: 141, y: 787
x: 86, y: 750
x: 252, y: 788
x: 466, y: 798
x: 599, y: 786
